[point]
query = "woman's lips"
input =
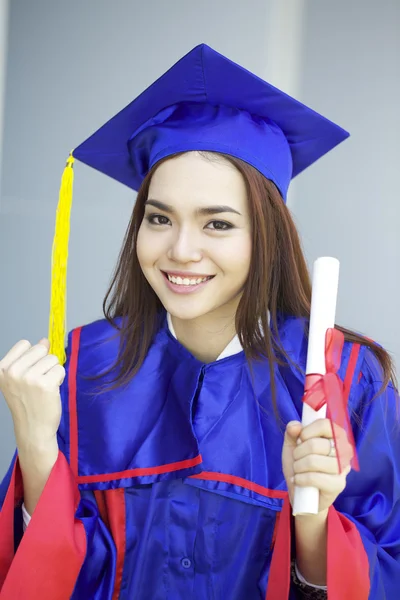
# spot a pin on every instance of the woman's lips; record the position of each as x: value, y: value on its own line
x: 186, y: 289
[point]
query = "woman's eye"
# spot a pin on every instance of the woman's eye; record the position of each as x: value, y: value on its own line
x: 219, y: 225
x: 157, y: 220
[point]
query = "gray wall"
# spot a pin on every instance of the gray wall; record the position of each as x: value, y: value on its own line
x: 4, y: 4
x: 73, y: 65
x: 348, y: 204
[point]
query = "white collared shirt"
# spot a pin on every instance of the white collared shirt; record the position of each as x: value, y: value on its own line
x: 234, y: 346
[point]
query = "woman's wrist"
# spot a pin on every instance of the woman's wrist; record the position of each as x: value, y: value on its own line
x: 303, y: 520
x: 38, y: 457
x: 311, y: 546
x: 36, y: 463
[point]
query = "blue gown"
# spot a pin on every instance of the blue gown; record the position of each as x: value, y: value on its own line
x: 172, y: 487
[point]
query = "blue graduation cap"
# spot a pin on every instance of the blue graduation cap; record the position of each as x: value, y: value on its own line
x: 203, y: 102
x: 207, y: 102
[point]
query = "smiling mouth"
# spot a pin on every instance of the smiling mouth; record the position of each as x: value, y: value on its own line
x: 186, y: 281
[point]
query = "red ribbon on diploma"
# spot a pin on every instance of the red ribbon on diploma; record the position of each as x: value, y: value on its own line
x: 328, y: 389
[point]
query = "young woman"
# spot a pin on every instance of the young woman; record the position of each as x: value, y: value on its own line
x: 165, y: 465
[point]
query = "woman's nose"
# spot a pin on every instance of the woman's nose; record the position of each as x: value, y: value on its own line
x: 185, y: 248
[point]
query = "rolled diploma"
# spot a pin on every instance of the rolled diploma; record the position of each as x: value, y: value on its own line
x: 323, y: 310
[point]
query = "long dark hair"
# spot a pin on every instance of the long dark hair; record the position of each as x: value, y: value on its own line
x: 278, y: 282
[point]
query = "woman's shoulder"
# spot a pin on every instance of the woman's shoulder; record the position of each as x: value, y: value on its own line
x: 372, y: 370
x: 94, y: 332
x: 362, y: 360
x: 94, y: 342
x: 373, y: 393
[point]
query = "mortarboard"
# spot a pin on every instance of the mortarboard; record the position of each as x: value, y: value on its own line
x: 203, y: 102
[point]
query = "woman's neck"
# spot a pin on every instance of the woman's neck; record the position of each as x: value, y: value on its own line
x: 205, y: 337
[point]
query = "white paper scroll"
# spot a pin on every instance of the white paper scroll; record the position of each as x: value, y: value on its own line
x: 325, y: 283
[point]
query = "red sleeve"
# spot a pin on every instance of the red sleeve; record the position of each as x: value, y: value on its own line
x: 279, y: 574
x: 347, y: 568
x: 51, y: 552
x: 348, y: 565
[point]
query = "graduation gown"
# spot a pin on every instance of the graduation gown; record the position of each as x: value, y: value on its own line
x: 172, y: 486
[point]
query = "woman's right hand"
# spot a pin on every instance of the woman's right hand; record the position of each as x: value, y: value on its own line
x: 30, y: 380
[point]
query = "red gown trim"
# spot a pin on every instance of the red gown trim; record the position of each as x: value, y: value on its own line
x: 115, y: 503
x: 244, y: 483
x: 51, y: 552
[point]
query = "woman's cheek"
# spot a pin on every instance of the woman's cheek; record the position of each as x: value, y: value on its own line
x: 236, y: 256
x: 147, y: 247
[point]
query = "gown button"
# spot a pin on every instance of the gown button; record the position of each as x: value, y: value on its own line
x: 186, y: 563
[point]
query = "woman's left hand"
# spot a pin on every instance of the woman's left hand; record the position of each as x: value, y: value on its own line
x: 312, y: 460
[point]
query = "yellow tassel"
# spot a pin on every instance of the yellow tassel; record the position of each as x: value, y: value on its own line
x: 58, y: 301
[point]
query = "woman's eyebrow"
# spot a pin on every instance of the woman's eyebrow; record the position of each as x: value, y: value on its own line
x: 206, y: 210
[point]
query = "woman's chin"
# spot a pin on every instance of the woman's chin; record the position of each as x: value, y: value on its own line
x: 187, y: 310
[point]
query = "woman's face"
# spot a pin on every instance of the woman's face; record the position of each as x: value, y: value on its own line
x: 194, y: 244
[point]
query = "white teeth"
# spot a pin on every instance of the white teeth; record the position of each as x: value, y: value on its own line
x: 186, y: 280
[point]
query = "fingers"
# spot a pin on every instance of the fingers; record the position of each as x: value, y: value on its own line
x: 14, y: 354
x: 55, y: 376
x: 31, y: 363
x: 48, y: 373
x: 315, y: 463
x: 30, y: 380
x: 44, y: 365
x: 309, y: 461
x: 45, y: 342
x: 312, y: 446
x: 322, y: 428
x: 326, y: 483
x: 319, y: 428
x: 315, y: 440
x: 22, y: 357
x: 292, y: 433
